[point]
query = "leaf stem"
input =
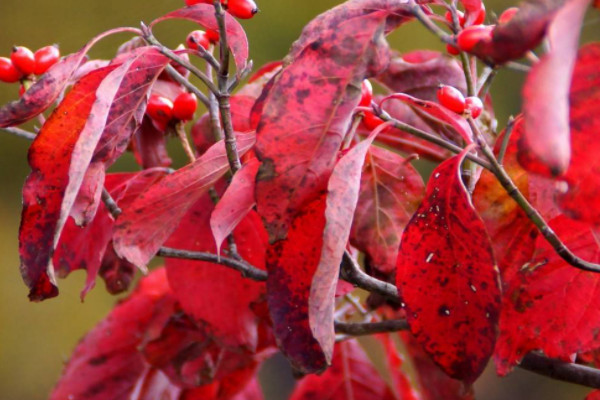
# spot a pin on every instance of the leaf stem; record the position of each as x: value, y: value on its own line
x: 418, y: 13
x: 182, y: 135
x: 506, y: 139
x: 173, y: 73
x: 561, y: 249
x: 466, y: 65
x: 369, y: 328
x: 19, y: 132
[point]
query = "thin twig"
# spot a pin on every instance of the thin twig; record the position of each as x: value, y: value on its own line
x: 466, y: 65
x: 561, y: 249
x: 182, y: 135
x: 506, y: 139
x: 351, y: 272
x: 517, y: 66
x: 563, y: 371
x: 247, y: 270
x: 368, y: 328
x: 182, y: 81
x: 486, y: 79
x: 418, y: 13
x: 111, y: 204
x: 19, y: 133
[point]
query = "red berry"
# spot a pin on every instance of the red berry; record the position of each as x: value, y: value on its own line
x: 22, y: 90
x: 477, y: 17
x: 470, y: 36
x: 371, y: 121
x: 197, y: 38
x: 244, y: 9
x: 507, y: 15
x: 185, y: 106
x: 474, y: 105
x: 367, y: 94
x: 23, y: 59
x: 452, y: 50
x: 451, y: 98
x: 461, y: 18
x: 160, y: 109
x: 8, y: 72
x: 45, y: 58
x: 212, y: 35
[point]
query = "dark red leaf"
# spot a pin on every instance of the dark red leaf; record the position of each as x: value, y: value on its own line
x: 438, y: 113
x: 201, y: 287
x: 235, y: 204
x: 524, y: 32
x: 305, y: 117
x: 291, y: 264
x: 584, y: 172
x: 204, y: 14
x: 447, y: 277
x: 106, y: 364
x: 394, y: 361
x: 342, y: 197
x: 549, y: 305
x: 547, y: 137
x: 160, y: 209
x: 419, y: 73
x: 149, y: 146
x: 351, y: 377
x: 390, y: 192
x: 116, y: 272
x: 48, y: 88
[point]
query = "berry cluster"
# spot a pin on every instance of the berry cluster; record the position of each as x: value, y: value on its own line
x: 472, y: 31
x: 24, y: 63
x: 162, y: 110
x: 453, y: 99
x: 200, y: 38
x: 244, y: 9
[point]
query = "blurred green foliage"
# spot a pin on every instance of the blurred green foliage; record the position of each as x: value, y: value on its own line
x: 35, y: 339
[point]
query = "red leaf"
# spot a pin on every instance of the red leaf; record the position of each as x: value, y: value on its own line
x: 419, y: 73
x: 204, y: 14
x: 291, y: 264
x: 48, y: 88
x: 582, y: 176
x: 160, y: 209
x: 305, y: 117
x: 546, y: 94
x: 438, y: 113
x: 447, y: 277
x: 550, y: 305
x: 202, y: 287
x: 235, y: 204
x: 149, y: 146
x: 390, y: 192
x: 106, y: 364
x: 342, y: 197
x: 49, y: 157
x: 350, y: 377
x: 524, y: 32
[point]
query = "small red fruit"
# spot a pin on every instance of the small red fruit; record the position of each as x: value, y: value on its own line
x: 452, y: 50
x: 45, y: 58
x: 477, y: 17
x: 474, y: 105
x: 468, y: 38
x: 367, y: 94
x: 196, y: 39
x: 244, y: 9
x: 22, y: 90
x: 212, y: 35
x: 461, y: 18
x: 160, y: 109
x: 185, y: 106
x: 507, y: 15
x: 8, y: 72
x: 451, y: 98
x: 23, y: 59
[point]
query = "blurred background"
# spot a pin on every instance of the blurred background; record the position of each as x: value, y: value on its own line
x: 37, y: 338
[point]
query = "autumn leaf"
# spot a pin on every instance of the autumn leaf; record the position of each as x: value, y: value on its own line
x: 447, y: 277
x: 390, y: 192
x: 159, y: 210
x: 204, y: 14
x: 547, y: 138
x: 549, y: 305
x: 351, y: 376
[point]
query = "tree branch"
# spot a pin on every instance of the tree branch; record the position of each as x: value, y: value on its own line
x: 418, y: 13
x: 351, y: 272
x: 563, y: 371
x: 19, y: 133
x: 368, y: 328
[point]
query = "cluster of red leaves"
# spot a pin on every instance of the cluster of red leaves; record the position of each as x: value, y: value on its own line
x: 474, y: 276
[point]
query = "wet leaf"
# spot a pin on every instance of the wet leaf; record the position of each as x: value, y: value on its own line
x: 447, y: 277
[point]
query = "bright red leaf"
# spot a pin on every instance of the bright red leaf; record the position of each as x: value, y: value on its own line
x: 305, y: 117
x: 235, y: 204
x: 549, y: 305
x: 204, y: 14
x: 390, y: 192
x: 447, y: 277
x: 547, y: 137
x: 351, y: 376
x: 159, y: 210
x: 583, y: 175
